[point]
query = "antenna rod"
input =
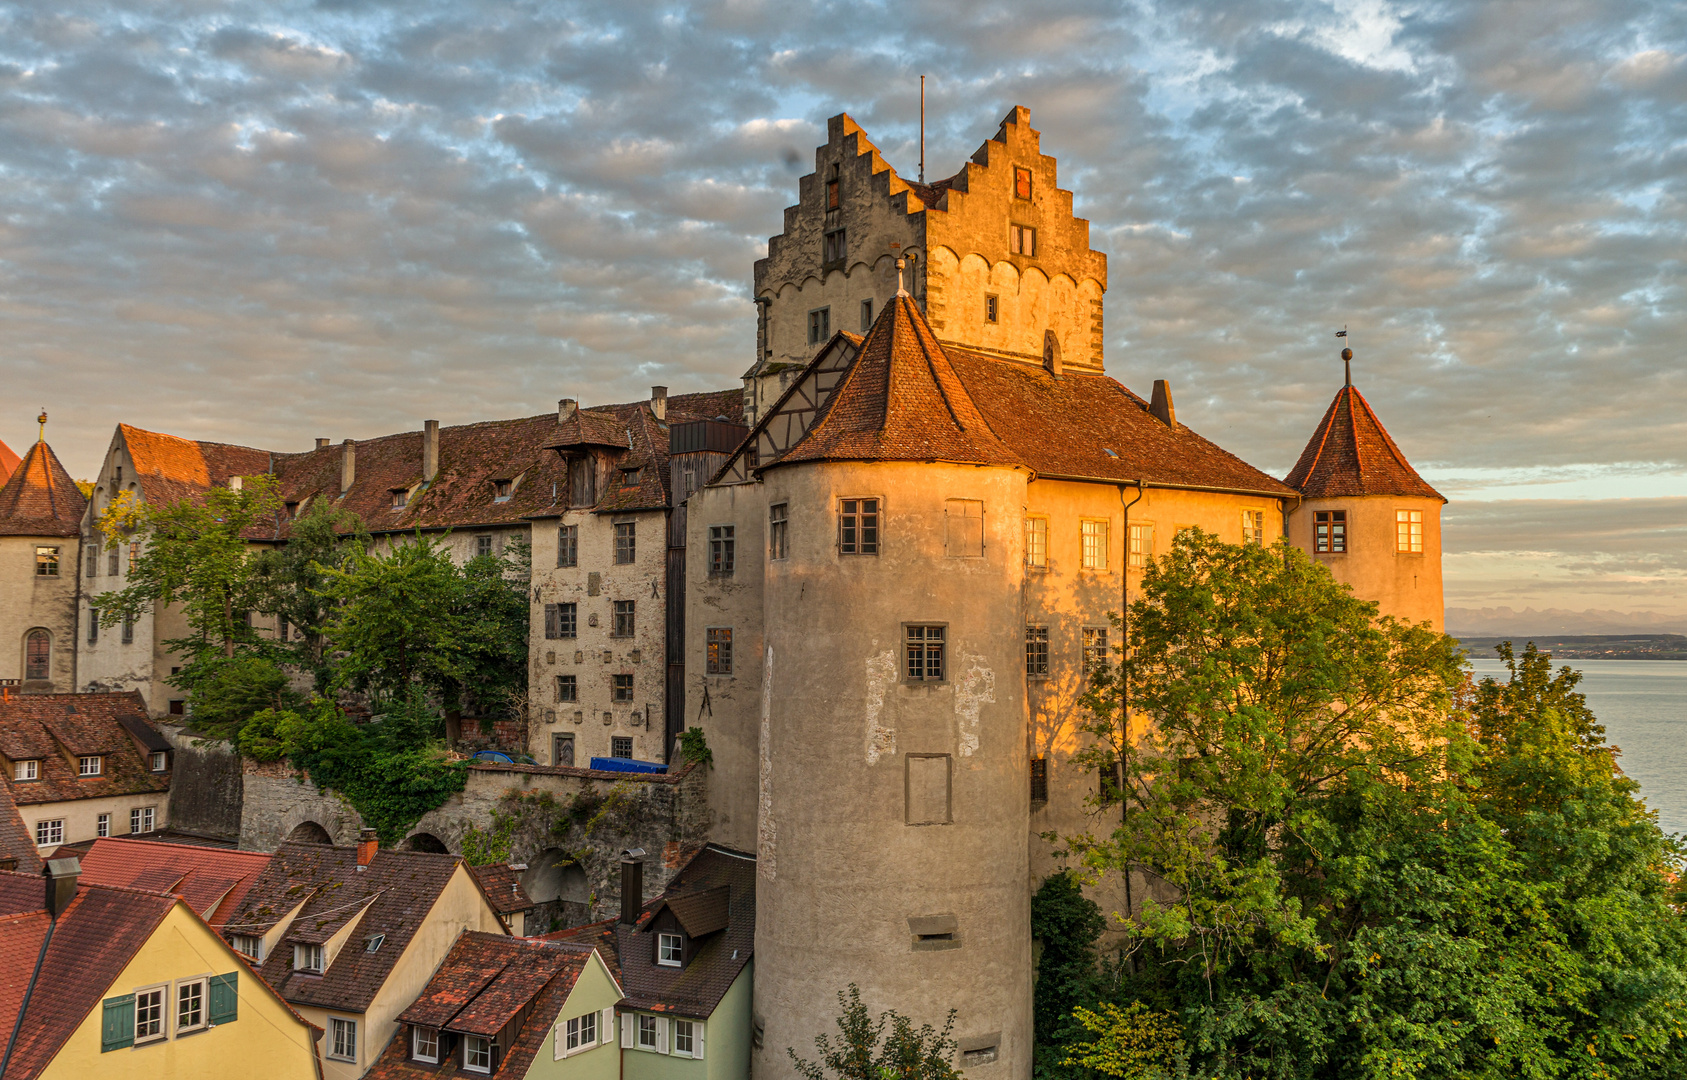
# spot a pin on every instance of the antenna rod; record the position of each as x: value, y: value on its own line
x: 922, y: 129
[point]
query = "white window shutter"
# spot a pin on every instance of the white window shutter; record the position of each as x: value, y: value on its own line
x: 606, y: 1025
x: 629, y: 1025
x: 559, y: 1053
x: 697, y: 1039
x: 662, y: 1025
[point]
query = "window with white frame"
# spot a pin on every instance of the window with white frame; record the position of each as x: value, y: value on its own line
x: 646, y: 1032
x: 1253, y: 526
x: 47, y: 562
x: 247, y: 946
x: 342, y: 1038
x: 670, y: 949
x: 1036, y: 652
x: 90, y: 765
x: 160, y: 760
x: 1142, y: 544
x: 477, y: 1054
x: 307, y: 958
x: 1095, y: 649
x: 102, y: 825
x: 190, y: 1005
x: 142, y: 819
x: 582, y: 1032
x: 776, y: 522
x: 26, y: 770
x: 1037, y: 542
x: 149, y: 1014
x: 1093, y: 533
x: 1408, y: 532
x: 49, y: 832
x: 686, y: 1043
x: 424, y: 1044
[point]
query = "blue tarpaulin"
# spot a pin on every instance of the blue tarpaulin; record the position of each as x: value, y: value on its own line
x: 617, y: 764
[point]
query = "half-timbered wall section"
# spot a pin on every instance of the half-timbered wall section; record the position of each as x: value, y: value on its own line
x: 796, y: 411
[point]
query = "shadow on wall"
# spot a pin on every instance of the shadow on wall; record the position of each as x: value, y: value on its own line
x: 425, y: 842
x: 309, y: 832
x: 556, y: 883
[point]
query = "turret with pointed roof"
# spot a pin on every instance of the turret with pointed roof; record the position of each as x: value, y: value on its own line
x: 1365, y: 513
x: 40, y: 498
x: 40, y: 553
x: 8, y: 461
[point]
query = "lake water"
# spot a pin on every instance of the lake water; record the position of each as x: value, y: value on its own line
x: 1643, y: 705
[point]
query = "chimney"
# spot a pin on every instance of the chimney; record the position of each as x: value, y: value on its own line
x: 234, y: 483
x: 565, y: 410
x: 659, y: 401
x: 1161, y: 406
x: 61, y: 875
x: 348, y: 465
x: 368, y: 842
x: 632, y: 885
x: 321, y: 444
x: 430, y: 450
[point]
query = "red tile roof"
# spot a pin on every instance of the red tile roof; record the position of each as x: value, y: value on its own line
x: 212, y: 880
x: 8, y: 461
x: 40, y: 498
x: 15, y: 839
x: 483, y: 984
x: 169, y: 468
x: 48, y: 727
x: 502, y: 883
x: 1352, y: 454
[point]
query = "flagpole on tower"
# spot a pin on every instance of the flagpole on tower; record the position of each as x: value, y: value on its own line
x: 922, y: 129
x: 1346, y: 358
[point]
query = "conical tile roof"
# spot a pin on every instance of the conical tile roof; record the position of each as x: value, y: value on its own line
x: 1351, y: 454
x: 901, y: 401
x: 41, y: 499
x: 8, y: 462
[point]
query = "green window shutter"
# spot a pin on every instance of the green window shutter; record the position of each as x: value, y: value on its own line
x: 117, y: 1023
x: 225, y: 998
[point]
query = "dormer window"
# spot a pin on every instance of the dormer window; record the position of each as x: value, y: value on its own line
x: 26, y: 770
x: 670, y: 949
x: 292, y: 510
x: 307, y: 958
x: 400, y: 498
x: 424, y: 1044
x: 160, y: 760
x: 632, y: 477
x: 250, y: 947
x: 502, y: 490
x: 90, y: 765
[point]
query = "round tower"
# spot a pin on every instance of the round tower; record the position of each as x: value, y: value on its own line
x: 1366, y: 513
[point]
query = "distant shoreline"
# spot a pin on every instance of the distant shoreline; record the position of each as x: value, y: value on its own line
x: 1584, y: 646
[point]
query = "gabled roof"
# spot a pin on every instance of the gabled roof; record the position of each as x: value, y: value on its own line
x: 502, y: 884
x: 48, y: 727
x: 900, y: 401
x: 8, y: 461
x: 40, y: 498
x: 15, y: 839
x: 393, y: 895
x: 482, y: 984
x: 716, y: 959
x: 1351, y: 454
x: 213, y: 881
x: 169, y: 468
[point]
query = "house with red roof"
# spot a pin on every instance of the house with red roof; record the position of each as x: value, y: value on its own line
x: 212, y: 880
x: 99, y: 980
x: 41, y: 511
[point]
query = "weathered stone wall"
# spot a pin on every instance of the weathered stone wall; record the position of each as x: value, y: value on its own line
x: 277, y: 801
x: 32, y: 601
x: 205, y: 784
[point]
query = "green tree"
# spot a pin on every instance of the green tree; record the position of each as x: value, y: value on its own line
x: 889, y: 1048
x: 494, y: 613
x: 290, y: 580
x: 397, y: 619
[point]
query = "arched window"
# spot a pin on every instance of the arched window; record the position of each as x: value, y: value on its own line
x: 37, y: 655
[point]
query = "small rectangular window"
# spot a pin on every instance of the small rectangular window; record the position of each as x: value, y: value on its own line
x: 992, y: 308
x: 424, y: 1044
x: 776, y: 522
x: 142, y: 819
x: 342, y: 1038
x: 647, y: 1032
x: 1036, y: 652
x: 1022, y: 240
x: 93, y: 562
x: 685, y: 1038
x: 307, y: 958
x: 568, y: 546
x: 1142, y: 544
x: 626, y: 542
x: 190, y: 1005
x: 963, y: 521
x: 722, y: 550
x: 47, y: 562
x: 1408, y: 532
x: 112, y: 563
x: 1037, y: 542
x: 819, y: 325
x: 149, y: 1014
x: 924, y: 652
x: 134, y: 554
x: 178, y: 707
x: 128, y: 624
x: 670, y: 949
x: 90, y: 765
x: 719, y: 650
x: 567, y: 689
x: 250, y: 947
x: 102, y: 825
x: 477, y: 1054
x: 1253, y: 526
x: 49, y: 832
x: 588, y: 1029
x: 621, y: 746
x: 1021, y: 183
x: 160, y: 760
x: 831, y: 194
x: 562, y: 621
x: 482, y: 545
x: 502, y: 490
x: 858, y: 526
x: 1329, y: 529
x: 623, y: 619
x: 400, y: 496
x: 622, y: 685
x: 834, y: 247
x: 1095, y: 649
x: 1039, y: 779
x: 29, y: 769
x: 866, y: 315
x: 1094, y: 536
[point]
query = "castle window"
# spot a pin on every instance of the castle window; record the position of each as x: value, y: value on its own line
x: 623, y: 619
x: 1142, y: 544
x: 46, y: 562
x: 819, y: 325
x: 924, y: 646
x: 992, y: 308
x: 561, y: 620
x: 722, y: 550
x: 776, y: 521
x: 621, y: 746
x: 1037, y: 542
x: 626, y: 542
x: 49, y: 832
x: 37, y: 655
x: 632, y: 477
x: 1036, y: 652
x: 858, y: 526
x: 111, y: 559
x: 1040, y: 779
x: 1022, y: 240
x: 93, y: 562
x: 622, y: 685
x: 1408, y: 532
x: 134, y: 554
x: 1021, y: 183
x: 866, y: 315
x: 1095, y: 649
x: 833, y: 247
x: 719, y: 650
x: 93, y: 625
x: 832, y: 190
x: 567, y: 689
x: 482, y: 545
x: 1253, y: 526
x: 568, y: 545
x: 1094, y: 551
x: 1329, y: 528
x: 128, y: 629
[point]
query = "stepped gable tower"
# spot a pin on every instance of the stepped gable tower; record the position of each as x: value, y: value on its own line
x: 41, y: 512
x: 1366, y: 513
x: 996, y: 258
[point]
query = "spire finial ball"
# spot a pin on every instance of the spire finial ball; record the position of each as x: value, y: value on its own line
x: 1347, y: 354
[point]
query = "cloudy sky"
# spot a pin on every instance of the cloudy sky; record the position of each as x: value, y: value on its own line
x: 262, y: 223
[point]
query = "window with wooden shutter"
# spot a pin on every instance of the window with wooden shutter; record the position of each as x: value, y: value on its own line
x: 117, y: 1023
x: 225, y: 998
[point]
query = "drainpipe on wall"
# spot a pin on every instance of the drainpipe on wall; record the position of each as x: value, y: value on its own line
x: 1124, y: 685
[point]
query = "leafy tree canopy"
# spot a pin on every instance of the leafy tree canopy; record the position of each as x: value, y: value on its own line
x: 889, y: 1048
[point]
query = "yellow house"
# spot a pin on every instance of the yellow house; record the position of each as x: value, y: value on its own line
x: 112, y: 982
